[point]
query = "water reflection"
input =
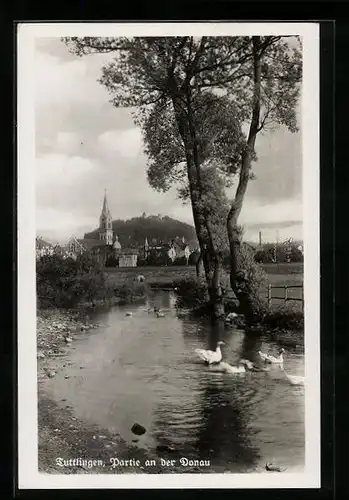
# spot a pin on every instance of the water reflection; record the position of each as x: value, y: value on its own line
x: 144, y: 369
x: 251, y: 344
x: 224, y: 436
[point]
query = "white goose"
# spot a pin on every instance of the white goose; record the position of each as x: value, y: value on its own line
x: 160, y: 315
x: 268, y: 358
x: 211, y: 357
x: 294, y: 379
x: 223, y: 367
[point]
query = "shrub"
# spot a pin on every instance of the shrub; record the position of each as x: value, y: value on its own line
x: 112, y: 261
x: 285, y: 317
x: 180, y: 261
x: 130, y: 291
x: 191, y: 293
x: 252, y: 280
x: 64, y: 282
x: 193, y: 258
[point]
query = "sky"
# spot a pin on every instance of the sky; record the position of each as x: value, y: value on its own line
x: 84, y: 145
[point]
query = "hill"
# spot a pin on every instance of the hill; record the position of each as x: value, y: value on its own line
x: 157, y: 229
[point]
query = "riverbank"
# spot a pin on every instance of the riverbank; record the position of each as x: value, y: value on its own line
x: 65, y: 444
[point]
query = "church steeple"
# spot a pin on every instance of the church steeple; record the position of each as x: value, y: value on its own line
x: 105, y: 223
x: 105, y: 208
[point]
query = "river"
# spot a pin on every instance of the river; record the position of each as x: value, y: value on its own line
x: 143, y: 369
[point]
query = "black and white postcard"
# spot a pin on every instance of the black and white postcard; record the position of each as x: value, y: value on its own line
x: 168, y: 255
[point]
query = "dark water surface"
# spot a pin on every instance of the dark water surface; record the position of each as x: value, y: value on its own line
x: 143, y: 369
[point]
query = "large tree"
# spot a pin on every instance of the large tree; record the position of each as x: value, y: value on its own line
x: 197, y: 92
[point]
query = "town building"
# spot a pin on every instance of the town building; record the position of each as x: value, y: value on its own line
x: 43, y: 247
x: 107, y: 246
x: 177, y: 248
x: 128, y: 258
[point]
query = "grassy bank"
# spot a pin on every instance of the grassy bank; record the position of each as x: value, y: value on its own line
x: 282, y: 274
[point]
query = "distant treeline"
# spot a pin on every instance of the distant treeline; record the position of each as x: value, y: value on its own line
x: 279, y: 253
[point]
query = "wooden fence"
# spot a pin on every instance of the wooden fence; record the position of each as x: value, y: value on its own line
x: 285, y: 297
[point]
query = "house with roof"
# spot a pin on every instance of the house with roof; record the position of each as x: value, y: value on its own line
x: 175, y: 249
x: 128, y: 257
x: 179, y: 249
x: 43, y: 247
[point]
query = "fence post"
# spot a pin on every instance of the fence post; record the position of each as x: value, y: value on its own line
x: 285, y: 295
x: 269, y: 295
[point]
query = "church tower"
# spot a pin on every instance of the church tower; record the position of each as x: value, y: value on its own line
x: 105, y: 223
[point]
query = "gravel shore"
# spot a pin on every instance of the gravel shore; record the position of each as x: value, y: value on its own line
x: 61, y: 436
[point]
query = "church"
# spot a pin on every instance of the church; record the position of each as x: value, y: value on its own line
x: 106, y: 246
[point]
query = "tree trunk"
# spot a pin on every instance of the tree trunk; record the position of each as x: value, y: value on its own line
x: 237, y: 277
x: 209, y: 256
x: 198, y: 265
x: 216, y: 293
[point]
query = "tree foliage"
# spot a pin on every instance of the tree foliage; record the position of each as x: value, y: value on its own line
x: 193, y: 97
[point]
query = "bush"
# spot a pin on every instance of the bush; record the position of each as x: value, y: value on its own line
x: 112, y: 261
x: 285, y: 317
x: 128, y: 292
x: 253, y: 281
x: 193, y: 258
x: 191, y: 293
x: 66, y: 282
x: 180, y: 261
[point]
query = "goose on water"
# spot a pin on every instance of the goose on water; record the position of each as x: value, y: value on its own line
x: 223, y: 367
x: 160, y: 315
x: 294, y: 379
x: 128, y: 314
x: 211, y: 357
x: 268, y: 358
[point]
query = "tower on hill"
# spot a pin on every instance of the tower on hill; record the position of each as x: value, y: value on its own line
x: 105, y: 223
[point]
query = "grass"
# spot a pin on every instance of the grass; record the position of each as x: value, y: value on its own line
x: 163, y: 277
x: 282, y: 274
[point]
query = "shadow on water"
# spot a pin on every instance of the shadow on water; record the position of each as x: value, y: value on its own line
x: 251, y: 344
x: 224, y: 436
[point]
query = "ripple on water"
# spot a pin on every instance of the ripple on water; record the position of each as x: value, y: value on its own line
x: 143, y: 369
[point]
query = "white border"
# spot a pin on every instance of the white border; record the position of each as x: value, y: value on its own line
x: 29, y: 477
